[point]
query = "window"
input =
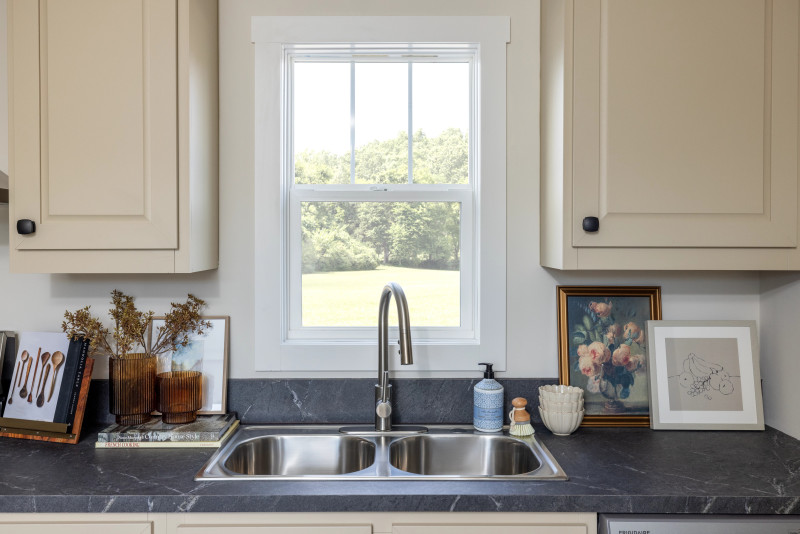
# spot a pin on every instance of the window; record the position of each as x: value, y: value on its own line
x: 380, y: 157
x: 366, y: 202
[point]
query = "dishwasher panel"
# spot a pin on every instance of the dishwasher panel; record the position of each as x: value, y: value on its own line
x: 697, y: 524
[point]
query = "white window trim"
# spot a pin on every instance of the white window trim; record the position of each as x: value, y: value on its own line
x: 270, y: 34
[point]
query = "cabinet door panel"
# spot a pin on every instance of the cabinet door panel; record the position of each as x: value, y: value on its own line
x: 481, y: 529
x: 65, y: 527
x: 274, y: 529
x: 108, y: 126
x: 685, y: 115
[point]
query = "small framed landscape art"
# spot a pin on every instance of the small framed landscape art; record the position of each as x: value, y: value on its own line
x: 704, y: 375
x: 603, y: 349
x: 207, y: 353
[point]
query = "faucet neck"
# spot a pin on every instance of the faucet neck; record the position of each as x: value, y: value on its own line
x: 404, y: 328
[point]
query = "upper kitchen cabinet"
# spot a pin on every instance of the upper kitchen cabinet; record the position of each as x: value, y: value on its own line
x: 670, y: 134
x: 113, y: 121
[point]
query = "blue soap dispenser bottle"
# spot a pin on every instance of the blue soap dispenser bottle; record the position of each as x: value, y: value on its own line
x: 488, y: 403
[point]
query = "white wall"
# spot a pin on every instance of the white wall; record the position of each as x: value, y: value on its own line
x: 37, y: 302
x: 3, y: 93
x: 780, y: 350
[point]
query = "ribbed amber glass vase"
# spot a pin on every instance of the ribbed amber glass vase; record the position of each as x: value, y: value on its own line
x: 180, y: 395
x: 132, y: 388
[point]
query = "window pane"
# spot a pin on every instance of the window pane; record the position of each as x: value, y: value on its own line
x: 322, y: 123
x: 351, y: 249
x: 381, y: 123
x: 440, y: 111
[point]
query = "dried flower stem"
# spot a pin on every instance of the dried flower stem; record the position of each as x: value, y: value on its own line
x: 132, y: 327
x: 81, y: 324
x: 182, y: 320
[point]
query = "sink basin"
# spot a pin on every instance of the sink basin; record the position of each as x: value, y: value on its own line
x: 300, y: 455
x: 463, y: 455
x: 325, y: 453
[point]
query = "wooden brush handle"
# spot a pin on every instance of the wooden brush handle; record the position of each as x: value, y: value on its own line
x: 519, y: 402
x: 519, y: 415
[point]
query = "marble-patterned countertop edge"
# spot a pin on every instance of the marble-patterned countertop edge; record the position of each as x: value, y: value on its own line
x: 303, y: 503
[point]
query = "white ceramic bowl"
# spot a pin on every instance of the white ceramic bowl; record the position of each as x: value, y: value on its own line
x: 561, y: 405
x: 560, y: 388
x: 572, y: 406
x: 561, y: 424
x: 560, y: 393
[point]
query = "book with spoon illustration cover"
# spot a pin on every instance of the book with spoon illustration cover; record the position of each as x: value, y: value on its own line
x: 47, y: 368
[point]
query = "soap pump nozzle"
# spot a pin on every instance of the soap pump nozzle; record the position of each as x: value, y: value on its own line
x: 488, y: 373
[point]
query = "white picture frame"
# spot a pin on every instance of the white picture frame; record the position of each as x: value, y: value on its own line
x: 704, y: 375
x: 207, y: 353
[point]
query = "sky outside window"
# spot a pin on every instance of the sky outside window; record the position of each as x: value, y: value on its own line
x: 322, y: 102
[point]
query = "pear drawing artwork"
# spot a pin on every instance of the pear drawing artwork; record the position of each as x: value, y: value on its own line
x: 700, y: 376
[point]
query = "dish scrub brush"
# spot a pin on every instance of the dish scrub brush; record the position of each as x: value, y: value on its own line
x: 520, y: 419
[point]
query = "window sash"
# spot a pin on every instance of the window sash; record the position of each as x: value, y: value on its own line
x: 462, y: 53
x: 469, y: 276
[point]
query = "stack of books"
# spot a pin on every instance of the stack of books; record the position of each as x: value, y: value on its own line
x: 206, y: 431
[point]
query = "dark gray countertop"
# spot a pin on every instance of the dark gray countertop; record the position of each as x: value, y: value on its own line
x: 611, y: 470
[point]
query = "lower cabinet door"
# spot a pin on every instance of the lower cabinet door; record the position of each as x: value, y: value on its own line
x: 274, y: 529
x: 483, y: 529
x: 100, y: 527
x: 382, y: 523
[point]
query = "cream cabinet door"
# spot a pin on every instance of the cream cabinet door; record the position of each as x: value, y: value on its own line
x: 270, y: 523
x: 274, y: 529
x: 685, y: 126
x: 455, y: 528
x: 94, y: 123
x: 381, y: 522
x: 78, y: 527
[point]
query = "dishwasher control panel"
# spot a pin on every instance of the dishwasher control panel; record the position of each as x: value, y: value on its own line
x: 697, y: 524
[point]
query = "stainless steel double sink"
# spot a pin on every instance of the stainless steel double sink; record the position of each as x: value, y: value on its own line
x: 325, y: 453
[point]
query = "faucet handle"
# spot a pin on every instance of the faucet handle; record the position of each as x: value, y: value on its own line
x: 383, y: 409
x: 384, y: 385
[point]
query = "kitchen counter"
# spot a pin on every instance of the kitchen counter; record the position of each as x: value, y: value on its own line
x: 610, y: 470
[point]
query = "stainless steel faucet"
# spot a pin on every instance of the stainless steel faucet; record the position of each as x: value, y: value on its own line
x: 383, y: 390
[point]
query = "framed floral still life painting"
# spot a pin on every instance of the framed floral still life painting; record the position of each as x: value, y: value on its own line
x: 704, y: 375
x: 602, y: 345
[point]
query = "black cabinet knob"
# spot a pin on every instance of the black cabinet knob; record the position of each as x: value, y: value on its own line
x: 591, y: 224
x: 26, y: 226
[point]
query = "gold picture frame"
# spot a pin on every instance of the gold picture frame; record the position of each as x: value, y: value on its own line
x: 602, y: 349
